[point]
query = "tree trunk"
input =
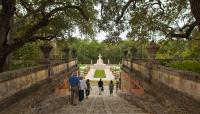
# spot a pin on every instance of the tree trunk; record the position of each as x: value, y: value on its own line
x: 3, y: 57
x: 7, y: 64
x: 195, y: 8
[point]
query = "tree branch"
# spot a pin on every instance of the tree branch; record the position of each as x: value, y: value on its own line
x: 48, y: 38
x: 188, y: 31
x: 68, y: 7
x: 124, y: 9
x: 24, y: 4
x: 18, y: 42
x: 159, y: 3
x: 46, y: 19
x: 28, y: 36
x: 34, y: 38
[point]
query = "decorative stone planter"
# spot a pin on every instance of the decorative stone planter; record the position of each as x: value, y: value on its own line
x: 133, y: 52
x: 74, y: 53
x: 152, y: 49
x: 125, y: 54
x: 66, y: 52
x: 46, y: 50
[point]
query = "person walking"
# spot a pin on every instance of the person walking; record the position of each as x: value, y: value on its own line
x: 100, y: 85
x: 74, y: 84
x: 88, y: 88
x: 111, y: 87
x: 117, y: 86
x: 82, y: 87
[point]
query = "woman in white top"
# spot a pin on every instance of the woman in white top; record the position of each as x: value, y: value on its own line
x: 82, y: 87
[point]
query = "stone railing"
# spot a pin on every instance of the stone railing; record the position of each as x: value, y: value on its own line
x: 184, y: 82
x: 15, y: 85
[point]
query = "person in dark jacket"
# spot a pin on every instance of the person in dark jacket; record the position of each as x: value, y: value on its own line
x: 111, y: 87
x: 88, y: 88
x: 100, y: 85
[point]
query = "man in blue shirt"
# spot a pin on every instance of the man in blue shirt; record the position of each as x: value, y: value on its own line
x: 74, y: 83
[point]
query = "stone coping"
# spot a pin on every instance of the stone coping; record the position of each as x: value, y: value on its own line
x: 5, y: 76
x: 9, y: 75
x: 180, y: 73
x: 189, y: 75
x: 34, y: 93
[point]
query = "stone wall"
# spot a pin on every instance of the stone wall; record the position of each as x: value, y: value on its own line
x: 33, y: 83
x: 125, y: 82
x: 171, y: 87
x: 182, y: 81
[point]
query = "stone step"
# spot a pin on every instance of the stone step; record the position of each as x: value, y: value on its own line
x: 96, y: 104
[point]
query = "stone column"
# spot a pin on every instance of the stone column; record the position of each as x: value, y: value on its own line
x: 91, y: 62
x: 46, y: 50
x: 152, y: 49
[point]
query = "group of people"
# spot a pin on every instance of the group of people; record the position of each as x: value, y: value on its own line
x: 81, y: 88
x: 111, y: 87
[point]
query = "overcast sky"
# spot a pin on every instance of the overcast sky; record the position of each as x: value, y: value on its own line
x: 99, y: 36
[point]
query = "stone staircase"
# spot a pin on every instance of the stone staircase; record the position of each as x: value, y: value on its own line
x: 95, y: 104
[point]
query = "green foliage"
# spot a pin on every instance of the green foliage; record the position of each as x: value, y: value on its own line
x: 82, y: 67
x: 28, y: 55
x: 116, y: 67
x: 188, y: 65
x: 178, y: 49
x: 62, y: 23
x: 172, y: 49
x: 99, y: 74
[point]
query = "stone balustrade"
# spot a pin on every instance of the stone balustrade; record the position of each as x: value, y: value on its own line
x: 184, y: 82
x: 17, y: 84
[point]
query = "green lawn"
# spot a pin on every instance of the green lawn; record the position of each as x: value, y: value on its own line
x: 99, y: 74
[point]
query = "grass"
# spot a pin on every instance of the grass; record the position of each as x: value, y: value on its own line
x: 99, y: 74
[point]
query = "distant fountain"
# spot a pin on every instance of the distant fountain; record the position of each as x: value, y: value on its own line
x: 100, y: 64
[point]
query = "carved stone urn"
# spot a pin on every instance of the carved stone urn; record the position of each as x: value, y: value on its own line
x: 46, y: 50
x: 74, y: 53
x: 153, y: 49
x: 133, y: 52
x: 66, y: 52
x: 125, y: 54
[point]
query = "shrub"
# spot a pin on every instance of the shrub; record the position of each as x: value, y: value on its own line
x: 188, y: 65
